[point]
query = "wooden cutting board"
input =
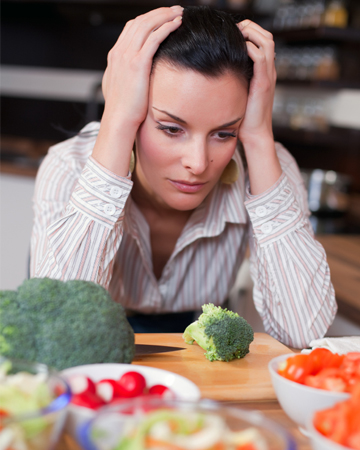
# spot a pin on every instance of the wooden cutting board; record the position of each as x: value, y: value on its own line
x: 245, y: 379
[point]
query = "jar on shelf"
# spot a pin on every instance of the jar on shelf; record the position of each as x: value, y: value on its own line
x: 328, y: 66
x: 335, y: 14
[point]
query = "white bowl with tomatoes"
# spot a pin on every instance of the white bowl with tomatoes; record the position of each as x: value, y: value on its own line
x: 94, y: 386
x: 305, y: 383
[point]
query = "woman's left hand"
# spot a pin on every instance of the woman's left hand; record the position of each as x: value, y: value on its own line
x: 255, y: 131
x: 261, y: 49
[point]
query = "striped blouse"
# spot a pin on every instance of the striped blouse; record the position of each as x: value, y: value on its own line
x: 87, y: 227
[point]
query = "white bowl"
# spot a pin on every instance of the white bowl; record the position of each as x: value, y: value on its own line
x: 297, y: 400
x: 183, y: 388
x: 320, y: 442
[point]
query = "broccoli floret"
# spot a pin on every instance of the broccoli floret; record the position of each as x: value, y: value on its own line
x: 64, y: 324
x: 222, y: 333
x: 16, y: 331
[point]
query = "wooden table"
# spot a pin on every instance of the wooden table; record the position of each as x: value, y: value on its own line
x: 343, y: 254
x: 191, y: 362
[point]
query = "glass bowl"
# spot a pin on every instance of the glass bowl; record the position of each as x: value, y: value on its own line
x: 35, y: 428
x: 114, y: 423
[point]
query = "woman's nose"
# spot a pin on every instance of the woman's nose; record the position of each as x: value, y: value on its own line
x: 195, y: 158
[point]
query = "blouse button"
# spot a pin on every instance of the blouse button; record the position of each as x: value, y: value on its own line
x: 115, y: 192
x: 109, y: 209
x: 261, y: 211
x: 266, y: 228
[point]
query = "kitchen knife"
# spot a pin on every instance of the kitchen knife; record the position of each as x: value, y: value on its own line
x: 148, y: 349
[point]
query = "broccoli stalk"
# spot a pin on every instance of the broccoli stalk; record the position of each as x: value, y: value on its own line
x: 222, y: 333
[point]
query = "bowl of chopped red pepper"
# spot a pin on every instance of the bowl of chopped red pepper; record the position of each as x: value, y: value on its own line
x: 305, y: 383
x: 338, y: 427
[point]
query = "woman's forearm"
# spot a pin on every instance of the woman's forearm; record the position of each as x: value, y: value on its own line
x: 114, y: 144
x: 263, y: 163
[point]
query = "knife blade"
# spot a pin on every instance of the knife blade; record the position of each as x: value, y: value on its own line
x: 148, y: 349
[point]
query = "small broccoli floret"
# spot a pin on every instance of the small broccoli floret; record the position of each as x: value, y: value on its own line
x: 64, y: 324
x: 222, y: 333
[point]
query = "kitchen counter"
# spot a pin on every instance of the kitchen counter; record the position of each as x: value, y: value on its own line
x: 239, y: 377
x: 343, y: 254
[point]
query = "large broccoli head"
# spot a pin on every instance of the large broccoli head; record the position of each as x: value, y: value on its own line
x: 64, y: 324
x: 222, y: 333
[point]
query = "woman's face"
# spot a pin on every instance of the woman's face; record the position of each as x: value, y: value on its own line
x: 188, y: 136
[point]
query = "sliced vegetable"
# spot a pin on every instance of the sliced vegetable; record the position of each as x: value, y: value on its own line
x: 87, y: 400
x: 162, y: 391
x: 323, y: 369
x: 296, y: 368
x: 108, y: 390
x: 341, y: 423
x: 80, y: 384
x: 92, y: 395
x: 184, y: 430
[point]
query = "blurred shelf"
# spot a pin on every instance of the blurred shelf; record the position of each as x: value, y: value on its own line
x: 320, y: 84
x: 319, y: 34
x: 344, y: 138
x: 119, y: 3
x: 22, y: 156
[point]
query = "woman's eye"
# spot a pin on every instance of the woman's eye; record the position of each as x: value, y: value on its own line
x: 172, y: 131
x: 223, y: 135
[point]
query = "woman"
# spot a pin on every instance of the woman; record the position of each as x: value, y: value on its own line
x: 186, y: 86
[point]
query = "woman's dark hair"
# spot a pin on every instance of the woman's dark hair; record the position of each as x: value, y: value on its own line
x: 209, y: 42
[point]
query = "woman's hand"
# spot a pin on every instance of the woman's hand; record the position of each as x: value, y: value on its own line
x: 256, y: 129
x: 126, y: 85
x: 261, y: 49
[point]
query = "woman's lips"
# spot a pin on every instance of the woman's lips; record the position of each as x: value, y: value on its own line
x: 184, y: 186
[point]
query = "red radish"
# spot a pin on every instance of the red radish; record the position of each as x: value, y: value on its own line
x: 108, y: 390
x: 131, y: 384
x: 87, y: 400
x: 80, y: 384
x: 163, y: 391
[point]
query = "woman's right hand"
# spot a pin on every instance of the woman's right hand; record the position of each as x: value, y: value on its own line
x: 126, y: 85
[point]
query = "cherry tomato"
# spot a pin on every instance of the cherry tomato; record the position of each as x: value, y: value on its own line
x: 296, y: 368
x: 131, y: 384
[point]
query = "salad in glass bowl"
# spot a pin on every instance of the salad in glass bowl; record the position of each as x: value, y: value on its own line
x: 151, y: 423
x: 33, y: 401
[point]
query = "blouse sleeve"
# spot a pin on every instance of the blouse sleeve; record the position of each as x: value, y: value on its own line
x: 78, y: 215
x: 292, y: 288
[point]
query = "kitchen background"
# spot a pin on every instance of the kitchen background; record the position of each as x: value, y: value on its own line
x: 53, y: 54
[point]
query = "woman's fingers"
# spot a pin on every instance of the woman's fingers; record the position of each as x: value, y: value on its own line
x: 265, y: 46
x: 246, y: 23
x: 259, y: 39
x: 142, y: 27
x: 156, y: 37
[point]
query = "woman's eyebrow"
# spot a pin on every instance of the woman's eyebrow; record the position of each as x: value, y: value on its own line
x: 225, y: 125
x: 171, y: 115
